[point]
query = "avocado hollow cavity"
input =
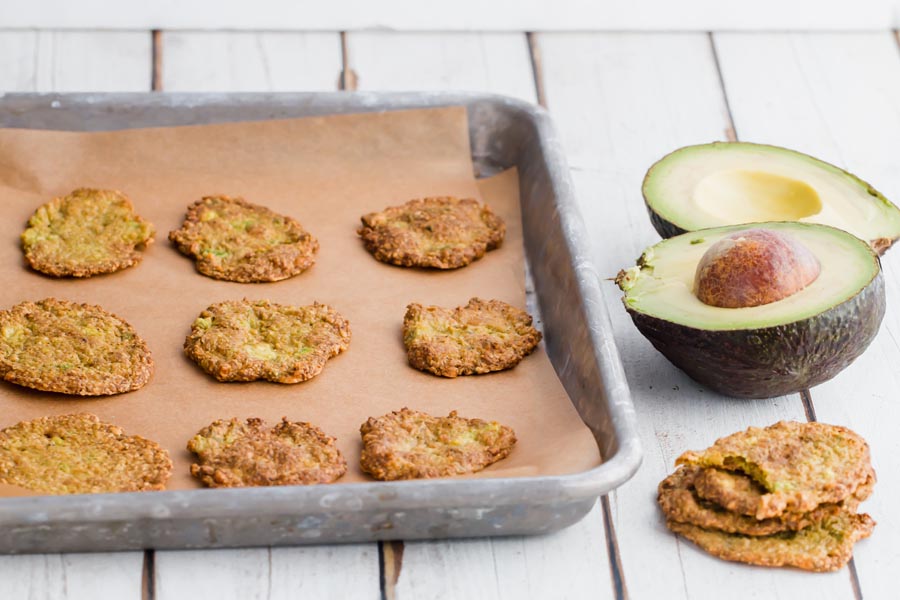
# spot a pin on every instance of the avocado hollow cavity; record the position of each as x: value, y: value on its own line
x: 727, y: 183
x: 754, y: 267
x: 753, y: 196
x: 769, y: 349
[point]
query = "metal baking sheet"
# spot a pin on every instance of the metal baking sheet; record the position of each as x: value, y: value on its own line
x: 565, y: 292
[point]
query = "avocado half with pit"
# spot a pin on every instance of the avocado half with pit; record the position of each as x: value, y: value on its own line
x: 771, y: 323
x: 725, y: 183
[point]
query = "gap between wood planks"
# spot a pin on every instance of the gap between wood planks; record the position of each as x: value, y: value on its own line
x: 148, y: 576
x: 348, y: 81
x: 156, y: 57
x: 805, y: 396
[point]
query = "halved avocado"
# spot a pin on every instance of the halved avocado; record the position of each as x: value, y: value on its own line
x: 726, y: 183
x: 767, y: 350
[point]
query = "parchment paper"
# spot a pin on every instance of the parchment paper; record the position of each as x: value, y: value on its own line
x: 325, y: 172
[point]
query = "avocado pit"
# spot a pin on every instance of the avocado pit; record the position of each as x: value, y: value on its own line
x: 752, y: 268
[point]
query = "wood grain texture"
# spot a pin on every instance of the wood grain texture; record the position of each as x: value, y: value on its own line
x: 621, y: 101
x: 499, y: 63
x: 569, y: 564
x: 349, y: 571
x: 250, y: 61
x: 106, y: 576
x: 73, y: 61
x: 836, y: 96
x: 462, y: 15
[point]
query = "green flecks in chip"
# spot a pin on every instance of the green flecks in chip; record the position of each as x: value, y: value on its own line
x: 249, y: 340
x: 235, y: 240
x: 88, y: 232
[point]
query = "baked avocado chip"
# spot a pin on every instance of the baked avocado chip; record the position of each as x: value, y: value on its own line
x: 408, y: 444
x: 248, y: 340
x: 481, y: 337
x: 825, y: 546
x: 436, y: 233
x: 798, y: 466
x: 61, y: 346
x: 681, y: 503
x: 235, y: 240
x: 726, y: 183
x: 88, y: 232
x: 79, y: 454
x: 235, y: 454
x: 767, y: 350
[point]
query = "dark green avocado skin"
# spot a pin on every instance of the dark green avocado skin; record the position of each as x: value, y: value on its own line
x: 664, y: 228
x: 772, y: 361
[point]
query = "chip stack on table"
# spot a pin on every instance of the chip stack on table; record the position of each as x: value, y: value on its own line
x: 785, y: 495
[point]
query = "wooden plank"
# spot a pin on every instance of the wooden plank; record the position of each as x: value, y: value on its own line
x: 490, y: 62
x: 250, y: 61
x: 835, y: 96
x: 567, y: 564
x: 575, y: 560
x: 621, y: 101
x: 462, y: 15
x: 349, y: 571
x: 72, y: 61
x: 72, y: 576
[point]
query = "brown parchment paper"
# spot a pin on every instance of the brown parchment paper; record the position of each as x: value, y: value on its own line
x: 325, y: 172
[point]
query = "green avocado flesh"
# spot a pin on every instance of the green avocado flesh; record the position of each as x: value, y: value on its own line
x: 663, y: 285
x: 767, y: 350
x: 725, y: 183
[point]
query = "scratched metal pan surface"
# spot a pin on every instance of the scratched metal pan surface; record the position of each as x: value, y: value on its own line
x: 564, y: 289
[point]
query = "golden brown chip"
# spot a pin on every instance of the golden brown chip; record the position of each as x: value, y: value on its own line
x: 235, y: 240
x: 480, y: 337
x: 235, y: 454
x: 248, y: 340
x: 77, y: 454
x: 408, y: 444
x: 825, y: 546
x: 439, y: 233
x: 61, y: 346
x: 86, y: 233
x: 738, y: 493
x: 799, y: 465
x: 680, y: 502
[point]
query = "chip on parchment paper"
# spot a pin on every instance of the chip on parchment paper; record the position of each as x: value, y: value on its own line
x: 480, y: 337
x: 438, y: 233
x: 78, y: 454
x: 246, y: 340
x: 409, y: 444
x: 235, y: 454
x: 60, y: 346
x: 89, y: 232
x: 235, y: 240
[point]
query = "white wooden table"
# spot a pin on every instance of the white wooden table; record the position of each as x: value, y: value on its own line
x: 620, y: 100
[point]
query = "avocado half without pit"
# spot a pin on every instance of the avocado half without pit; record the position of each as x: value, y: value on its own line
x: 725, y: 183
x: 758, y: 310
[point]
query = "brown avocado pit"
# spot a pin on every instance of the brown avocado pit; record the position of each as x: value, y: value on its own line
x: 752, y: 268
